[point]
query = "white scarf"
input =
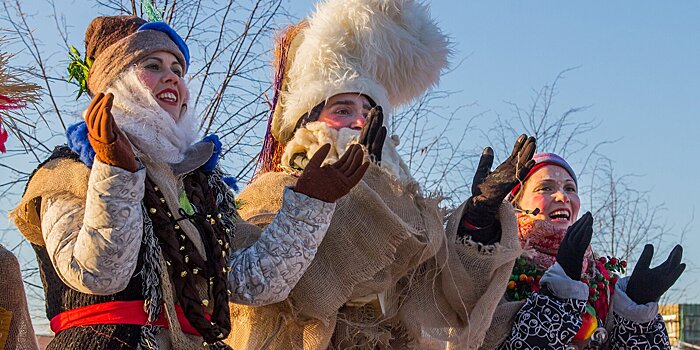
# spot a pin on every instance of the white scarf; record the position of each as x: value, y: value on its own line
x: 151, y: 129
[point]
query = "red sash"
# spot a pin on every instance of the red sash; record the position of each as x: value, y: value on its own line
x: 117, y: 312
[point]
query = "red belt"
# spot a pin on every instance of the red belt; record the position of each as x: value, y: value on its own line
x: 117, y: 312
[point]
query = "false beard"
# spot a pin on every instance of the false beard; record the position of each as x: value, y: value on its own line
x: 308, y: 139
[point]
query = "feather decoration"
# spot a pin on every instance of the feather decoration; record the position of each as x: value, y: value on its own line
x: 79, y: 69
x: 152, y: 14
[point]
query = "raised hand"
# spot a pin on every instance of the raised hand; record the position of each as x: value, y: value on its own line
x: 110, y: 145
x: 573, y: 246
x: 490, y: 188
x: 331, y: 182
x: 374, y: 133
x: 647, y: 285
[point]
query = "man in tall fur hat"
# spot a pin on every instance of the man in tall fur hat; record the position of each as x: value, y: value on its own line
x: 133, y: 225
x: 388, y: 274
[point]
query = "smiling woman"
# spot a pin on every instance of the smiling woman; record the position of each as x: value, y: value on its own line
x: 559, y: 283
x: 162, y: 73
x: 553, y: 191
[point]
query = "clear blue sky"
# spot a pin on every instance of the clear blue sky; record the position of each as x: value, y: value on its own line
x: 639, y: 69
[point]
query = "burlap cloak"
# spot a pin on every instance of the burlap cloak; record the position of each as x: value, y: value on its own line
x: 385, y: 239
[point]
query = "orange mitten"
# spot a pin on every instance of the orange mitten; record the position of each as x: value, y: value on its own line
x: 110, y: 145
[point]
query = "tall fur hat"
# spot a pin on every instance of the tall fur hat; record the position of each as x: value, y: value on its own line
x: 114, y: 43
x: 389, y: 50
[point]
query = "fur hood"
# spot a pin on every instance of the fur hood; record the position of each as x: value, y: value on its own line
x: 389, y: 50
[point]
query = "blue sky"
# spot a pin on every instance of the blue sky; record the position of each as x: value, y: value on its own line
x: 638, y: 69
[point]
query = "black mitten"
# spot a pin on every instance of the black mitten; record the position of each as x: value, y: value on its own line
x: 574, y: 245
x: 490, y: 188
x: 373, y: 134
x: 647, y: 285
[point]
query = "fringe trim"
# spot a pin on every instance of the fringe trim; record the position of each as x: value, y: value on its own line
x: 271, y: 153
x: 148, y: 338
x: 226, y: 202
x: 151, y: 270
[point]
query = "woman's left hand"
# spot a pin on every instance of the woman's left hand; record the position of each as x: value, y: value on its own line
x: 573, y: 246
x: 647, y: 285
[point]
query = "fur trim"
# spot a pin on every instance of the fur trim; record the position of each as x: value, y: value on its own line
x: 79, y: 143
x: 389, y: 50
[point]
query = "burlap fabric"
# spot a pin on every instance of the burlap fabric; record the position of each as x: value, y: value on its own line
x: 385, y: 239
x: 56, y: 176
x: 16, y: 330
x: 501, y: 324
x: 73, y: 176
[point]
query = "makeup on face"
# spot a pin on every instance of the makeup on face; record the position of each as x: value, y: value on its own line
x: 162, y: 74
x: 347, y: 110
x: 554, y: 192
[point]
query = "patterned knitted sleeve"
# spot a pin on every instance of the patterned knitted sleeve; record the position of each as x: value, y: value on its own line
x: 550, y: 318
x: 545, y: 322
x: 627, y: 334
x: 266, y: 272
x: 94, y: 245
x: 636, y: 326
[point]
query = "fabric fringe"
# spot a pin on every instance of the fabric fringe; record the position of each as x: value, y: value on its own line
x: 148, y: 338
x: 151, y: 272
x: 14, y: 92
x: 226, y: 203
x: 272, y: 149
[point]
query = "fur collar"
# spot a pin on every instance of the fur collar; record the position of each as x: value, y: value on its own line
x: 150, y: 129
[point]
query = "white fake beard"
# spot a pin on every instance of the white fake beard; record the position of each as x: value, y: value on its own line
x: 150, y: 128
x: 308, y: 139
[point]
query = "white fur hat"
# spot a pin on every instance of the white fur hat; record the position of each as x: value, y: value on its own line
x: 389, y: 50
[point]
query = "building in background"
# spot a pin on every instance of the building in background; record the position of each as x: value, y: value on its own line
x: 683, y: 324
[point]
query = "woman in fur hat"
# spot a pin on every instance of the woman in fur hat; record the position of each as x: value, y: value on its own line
x: 389, y: 274
x: 560, y: 293
x: 136, y: 232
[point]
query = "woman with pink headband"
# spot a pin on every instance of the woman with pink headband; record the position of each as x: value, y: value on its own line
x: 561, y: 295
